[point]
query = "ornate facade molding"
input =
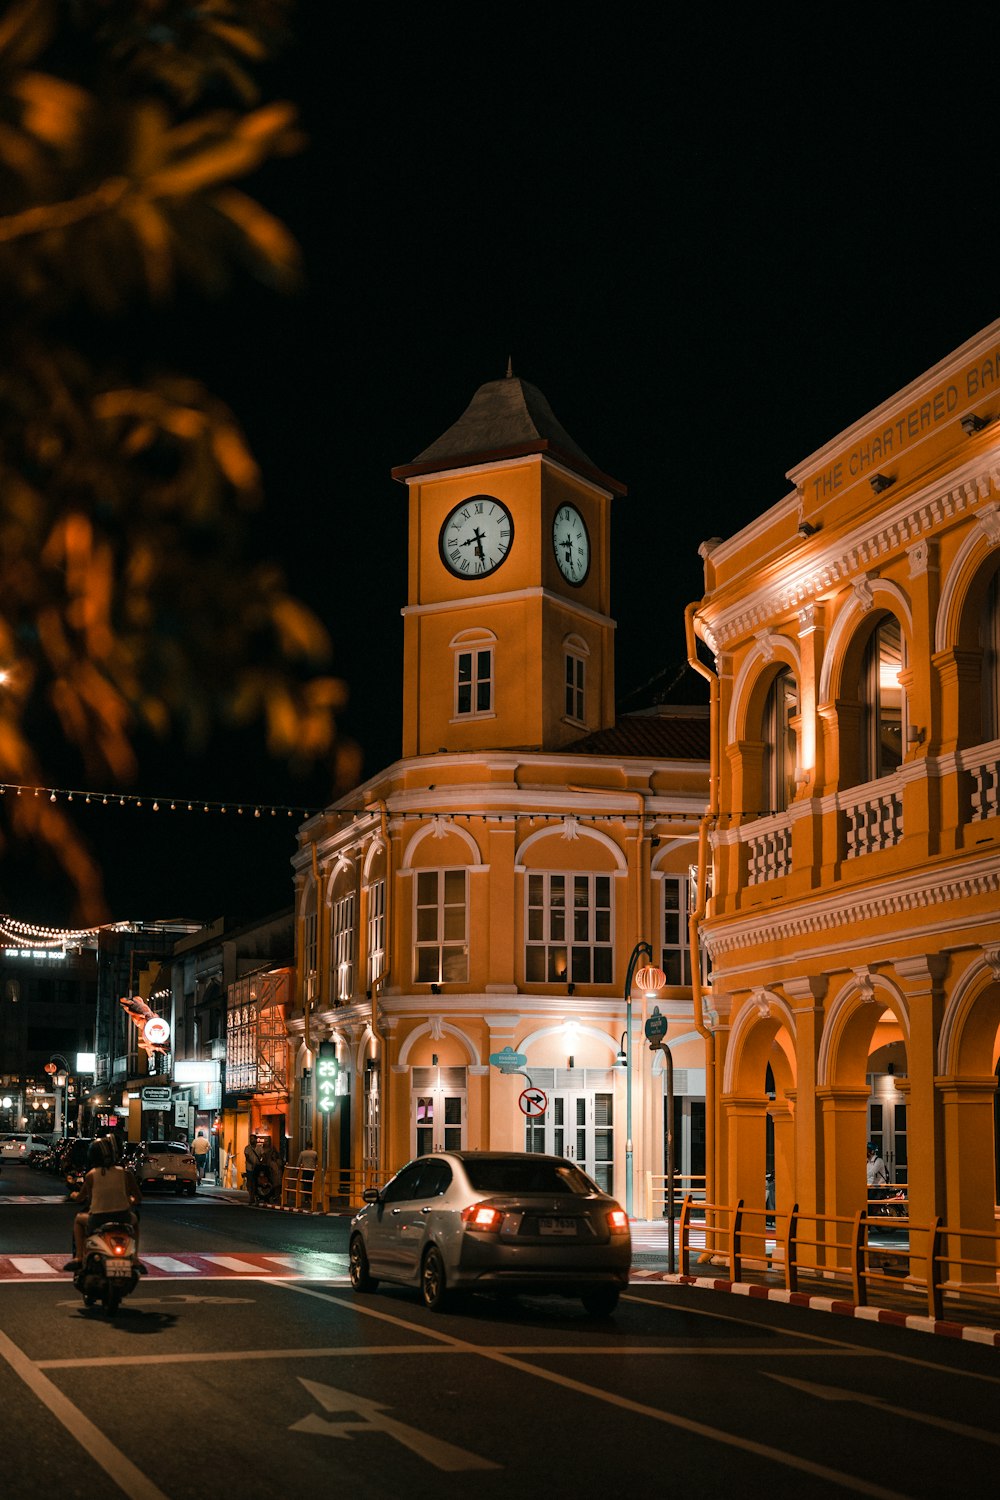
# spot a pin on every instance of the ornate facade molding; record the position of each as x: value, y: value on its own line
x: 872, y: 544
x: 854, y: 911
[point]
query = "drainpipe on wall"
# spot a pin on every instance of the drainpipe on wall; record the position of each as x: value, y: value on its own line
x: 317, y: 1134
x: 701, y: 902
x: 379, y: 984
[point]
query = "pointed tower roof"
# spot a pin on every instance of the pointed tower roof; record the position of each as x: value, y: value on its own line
x: 505, y: 419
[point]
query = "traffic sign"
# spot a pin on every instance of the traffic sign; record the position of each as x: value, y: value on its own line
x: 656, y: 1026
x: 327, y: 1070
x: 533, y: 1103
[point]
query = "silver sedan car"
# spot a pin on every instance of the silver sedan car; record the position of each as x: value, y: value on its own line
x: 490, y: 1221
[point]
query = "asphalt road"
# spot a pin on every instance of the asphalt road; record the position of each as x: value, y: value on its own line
x: 254, y: 1370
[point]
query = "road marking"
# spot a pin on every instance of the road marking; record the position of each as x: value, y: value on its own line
x: 309, y: 1259
x: 834, y: 1393
x: 795, y: 1333
x: 130, y: 1480
x: 230, y: 1263
x: 30, y: 1265
x: 170, y: 1263
x: 338, y: 1351
x: 611, y: 1398
x: 372, y: 1416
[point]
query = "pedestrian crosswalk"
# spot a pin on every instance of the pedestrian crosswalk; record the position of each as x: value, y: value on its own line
x: 311, y: 1266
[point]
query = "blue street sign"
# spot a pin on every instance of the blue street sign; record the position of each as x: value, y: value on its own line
x: 508, y: 1061
x: 656, y: 1026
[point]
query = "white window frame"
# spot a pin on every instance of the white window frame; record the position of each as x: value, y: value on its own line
x: 552, y: 929
x: 442, y: 920
x: 343, y: 947
x: 480, y: 676
x: 575, y: 683
x: 375, y: 922
x: 675, y: 947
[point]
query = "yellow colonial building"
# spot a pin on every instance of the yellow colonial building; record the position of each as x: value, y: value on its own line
x: 853, y: 908
x: 484, y: 894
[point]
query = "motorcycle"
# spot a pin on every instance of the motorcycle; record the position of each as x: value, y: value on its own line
x: 266, y: 1190
x: 108, y: 1272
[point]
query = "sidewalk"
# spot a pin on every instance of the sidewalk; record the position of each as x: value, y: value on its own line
x: 766, y: 1281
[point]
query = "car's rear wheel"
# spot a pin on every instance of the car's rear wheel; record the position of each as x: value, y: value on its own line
x: 361, y: 1278
x: 433, y: 1282
x: 600, y: 1301
x: 192, y: 1188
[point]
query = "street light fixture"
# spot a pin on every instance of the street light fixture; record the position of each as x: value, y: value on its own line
x: 650, y: 979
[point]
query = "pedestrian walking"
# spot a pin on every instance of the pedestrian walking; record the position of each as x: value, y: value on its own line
x: 201, y: 1147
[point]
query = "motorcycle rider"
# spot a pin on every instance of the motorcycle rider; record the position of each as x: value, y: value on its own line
x: 110, y: 1193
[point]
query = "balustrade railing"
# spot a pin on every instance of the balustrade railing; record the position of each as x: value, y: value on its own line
x: 985, y: 775
x: 769, y: 855
x: 874, y: 822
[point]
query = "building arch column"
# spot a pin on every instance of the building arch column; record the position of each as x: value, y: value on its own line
x: 844, y: 1131
x: 969, y: 1170
x: 746, y: 1121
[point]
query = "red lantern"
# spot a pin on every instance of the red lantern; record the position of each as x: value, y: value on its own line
x: 649, y: 979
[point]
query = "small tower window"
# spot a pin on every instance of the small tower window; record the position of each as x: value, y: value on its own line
x: 474, y: 669
x: 575, y: 656
x: 474, y: 682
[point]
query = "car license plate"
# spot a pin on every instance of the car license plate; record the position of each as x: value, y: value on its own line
x: 557, y: 1226
x: 170, y: 1176
x: 118, y: 1268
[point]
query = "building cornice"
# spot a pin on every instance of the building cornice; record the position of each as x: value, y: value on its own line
x: 513, y: 596
x: 867, y: 546
x: 847, y: 913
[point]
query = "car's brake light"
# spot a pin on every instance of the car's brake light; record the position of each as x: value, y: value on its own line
x: 480, y: 1216
x: 618, y: 1221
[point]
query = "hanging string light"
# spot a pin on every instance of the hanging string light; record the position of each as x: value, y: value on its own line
x: 130, y: 799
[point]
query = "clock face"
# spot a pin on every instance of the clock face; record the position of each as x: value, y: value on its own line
x: 476, y: 537
x: 571, y: 543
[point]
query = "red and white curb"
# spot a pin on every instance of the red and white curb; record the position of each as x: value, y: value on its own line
x: 965, y: 1331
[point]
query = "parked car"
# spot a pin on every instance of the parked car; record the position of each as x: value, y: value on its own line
x: 20, y: 1145
x: 489, y: 1221
x: 167, y: 1164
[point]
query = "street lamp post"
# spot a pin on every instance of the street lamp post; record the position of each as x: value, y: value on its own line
x: 650, y: 980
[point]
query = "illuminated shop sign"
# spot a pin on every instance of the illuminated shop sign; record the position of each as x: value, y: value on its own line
x: 53, y: 953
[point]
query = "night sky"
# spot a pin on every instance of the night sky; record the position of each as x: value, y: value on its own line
x: 711, y: 244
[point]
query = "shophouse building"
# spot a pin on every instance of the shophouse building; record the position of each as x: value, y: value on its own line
x: 231, y: 991
x: 486, y: 895
x: 854, y: 920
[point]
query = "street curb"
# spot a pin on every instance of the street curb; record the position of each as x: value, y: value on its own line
x: 967, y: 1332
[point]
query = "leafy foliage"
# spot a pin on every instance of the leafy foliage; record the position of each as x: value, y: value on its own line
x: 126, y: 601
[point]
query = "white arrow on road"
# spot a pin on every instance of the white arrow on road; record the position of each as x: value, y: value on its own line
x: 371, y: 1418
x: 834, y: 1393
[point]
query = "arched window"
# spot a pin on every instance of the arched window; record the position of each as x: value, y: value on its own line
x: 474, y: 674
x: 575, y: 653
x: 883, y: 705
x: 989, y: 639
x: 780, y: 712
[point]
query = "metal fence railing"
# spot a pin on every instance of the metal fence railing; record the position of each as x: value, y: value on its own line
x: 872, y: 1259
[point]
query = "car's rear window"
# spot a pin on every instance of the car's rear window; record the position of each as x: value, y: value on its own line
x: 156, y: 1148
x: 515, y: 1175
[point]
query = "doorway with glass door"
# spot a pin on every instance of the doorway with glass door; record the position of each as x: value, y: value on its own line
x: 887, y: 1125
x: 577, y: 1124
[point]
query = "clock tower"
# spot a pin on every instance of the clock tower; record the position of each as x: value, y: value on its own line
x: 508, y: 641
